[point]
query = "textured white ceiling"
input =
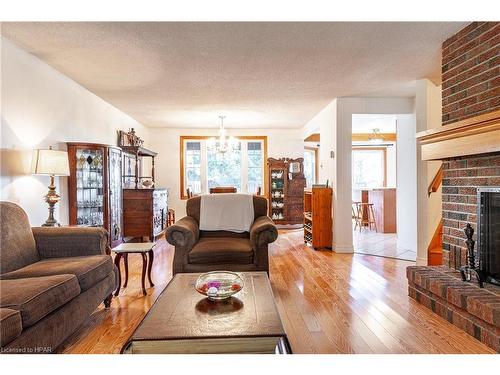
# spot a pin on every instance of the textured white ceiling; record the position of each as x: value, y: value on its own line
x: 366, y: 123
x: 268, y: 75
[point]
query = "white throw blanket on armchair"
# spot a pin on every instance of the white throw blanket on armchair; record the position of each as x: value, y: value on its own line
x: 227, y: 211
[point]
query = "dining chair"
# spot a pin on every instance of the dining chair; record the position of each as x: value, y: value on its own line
x: 222, y: 189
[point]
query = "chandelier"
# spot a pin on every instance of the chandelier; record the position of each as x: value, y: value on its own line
x: 223, y: 145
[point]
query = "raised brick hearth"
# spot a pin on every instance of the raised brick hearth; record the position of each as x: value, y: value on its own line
x: 472, y: 309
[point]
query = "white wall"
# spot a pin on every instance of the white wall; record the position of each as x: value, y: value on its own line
x: 392, y: 165
x: 166, y: 141
x: 406, y: 192
x: 41, y: 107
x: 323, y: 122
x: 428, y: 113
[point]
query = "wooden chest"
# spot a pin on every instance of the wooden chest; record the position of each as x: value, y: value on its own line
x: 145, y: 212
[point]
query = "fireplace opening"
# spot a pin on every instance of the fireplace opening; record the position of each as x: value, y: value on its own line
x: 488, y: 233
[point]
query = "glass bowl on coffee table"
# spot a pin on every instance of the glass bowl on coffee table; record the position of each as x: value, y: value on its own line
x: 219, y: 285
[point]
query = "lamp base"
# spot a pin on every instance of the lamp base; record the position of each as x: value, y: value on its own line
x: 51, y: 223
x: 51, y: 198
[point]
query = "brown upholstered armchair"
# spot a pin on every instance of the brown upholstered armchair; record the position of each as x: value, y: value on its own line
x: 202, y: 251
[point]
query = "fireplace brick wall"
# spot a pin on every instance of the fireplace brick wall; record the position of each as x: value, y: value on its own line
x: 470, y: 87
x: 461, y: 178
x: 470, y: 72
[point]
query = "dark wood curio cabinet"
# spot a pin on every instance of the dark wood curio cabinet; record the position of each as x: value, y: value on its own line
x: 286, y: 190
x: 95, y: 188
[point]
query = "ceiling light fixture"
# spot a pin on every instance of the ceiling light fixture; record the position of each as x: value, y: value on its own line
x: 222, y: 144
x: 375, y: 136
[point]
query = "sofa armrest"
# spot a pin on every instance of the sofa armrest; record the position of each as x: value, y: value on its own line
x: 184, y: 233
x: 63, y: 242
x: 263, y: 232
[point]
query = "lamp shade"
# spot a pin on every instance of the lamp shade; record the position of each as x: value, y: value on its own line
x: 50, y: 162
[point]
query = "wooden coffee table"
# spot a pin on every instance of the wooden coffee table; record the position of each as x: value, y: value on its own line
x: 184, y: 321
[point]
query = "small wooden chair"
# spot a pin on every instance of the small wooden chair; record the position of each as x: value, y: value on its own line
x: 171, y: 217
x: 355, y: 215
x: 189, y: 193
x: 366, y: 216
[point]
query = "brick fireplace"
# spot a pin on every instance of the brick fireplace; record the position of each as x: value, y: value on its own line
x: 468, y: 144
x: 470, y: 87
x: 461, y: 178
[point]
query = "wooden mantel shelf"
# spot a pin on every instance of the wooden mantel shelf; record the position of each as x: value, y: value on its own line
x: 473, y: 136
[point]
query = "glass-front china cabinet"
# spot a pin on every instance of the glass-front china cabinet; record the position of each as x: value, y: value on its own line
x: 95, y: 193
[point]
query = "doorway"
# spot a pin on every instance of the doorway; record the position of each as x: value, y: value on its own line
x: 379, y: 152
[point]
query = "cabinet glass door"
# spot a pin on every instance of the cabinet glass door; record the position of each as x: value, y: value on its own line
x: 278, y: 194
x: 89, y: 187
x: 115, y: 196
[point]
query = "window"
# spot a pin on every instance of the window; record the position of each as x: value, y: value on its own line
x: 255, y: 157
x: 368, y: 167
x: 242, y: 166
x: 224, y: 169
x: 310, y: 155
x: 193, y: 167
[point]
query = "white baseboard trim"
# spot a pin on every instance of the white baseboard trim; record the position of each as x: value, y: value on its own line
x: 421, y: 261
x: 343, y: 249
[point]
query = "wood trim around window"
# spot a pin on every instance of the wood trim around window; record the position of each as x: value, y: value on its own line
x: 384, y: 152
x: 316, y: 160
x: 183, y: 138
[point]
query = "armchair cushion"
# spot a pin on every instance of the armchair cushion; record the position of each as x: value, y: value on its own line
x: 263, y: 232
x: 10, y: 325
x: 37, y: 297
x: 221, y: 250
x: 70, y: 241
x: 89, y: 270
x: 184, y: 233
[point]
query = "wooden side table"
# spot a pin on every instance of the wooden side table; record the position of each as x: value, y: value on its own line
x: 143, y: 248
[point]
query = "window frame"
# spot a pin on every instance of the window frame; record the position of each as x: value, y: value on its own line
x: 186, y: 138
x: 375, y: 148
x: 316, y: 160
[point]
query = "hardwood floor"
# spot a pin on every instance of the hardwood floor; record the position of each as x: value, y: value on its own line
x: 329, y: 303
x: 380, y: 244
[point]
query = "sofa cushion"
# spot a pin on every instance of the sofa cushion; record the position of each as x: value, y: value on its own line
x: 36, y: 297
x: 18, y: 243
x: 221, y: 250
x: 88, y: 269
x: 10, y: 325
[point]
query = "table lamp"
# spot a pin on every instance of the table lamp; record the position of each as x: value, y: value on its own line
x: 52, y: 163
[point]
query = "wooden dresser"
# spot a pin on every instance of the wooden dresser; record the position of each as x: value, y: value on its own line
x: 145, y: 212
x: 318, y: 223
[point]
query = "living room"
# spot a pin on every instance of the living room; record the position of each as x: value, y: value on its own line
x: 191, y: 187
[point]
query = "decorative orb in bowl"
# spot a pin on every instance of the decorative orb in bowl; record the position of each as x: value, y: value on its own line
x: 219, y: 285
